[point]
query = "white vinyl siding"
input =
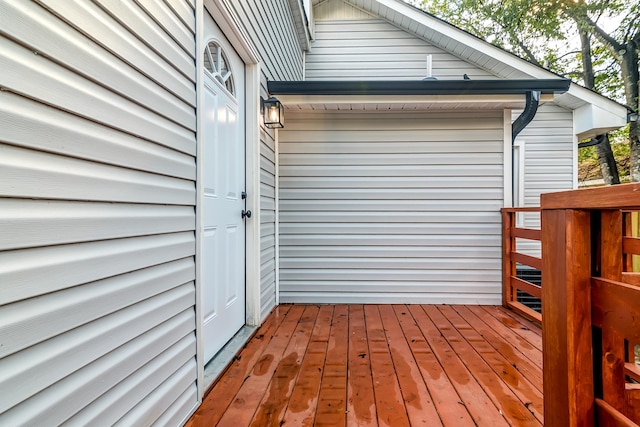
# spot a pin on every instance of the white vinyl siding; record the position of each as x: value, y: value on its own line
x: 548, y: 160
x: 549, y: 152
x: 391, y: 207
x: 338, y: 10
x: 458, y: 44
x: 97, y: 197
x: 271, y: 27
x: 267, y: 221
x: 374, y: 49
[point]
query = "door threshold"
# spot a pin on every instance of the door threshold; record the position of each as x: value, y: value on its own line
x: 216, y: 366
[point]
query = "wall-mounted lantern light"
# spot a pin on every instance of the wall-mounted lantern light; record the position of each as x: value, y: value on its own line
x: 272, y: 113
x: 632, y: 117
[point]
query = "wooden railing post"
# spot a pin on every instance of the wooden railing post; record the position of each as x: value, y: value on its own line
x: 508, y: 268
x: 566, y: 318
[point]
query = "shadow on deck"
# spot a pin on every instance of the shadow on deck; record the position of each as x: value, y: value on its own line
x: 387, y: 365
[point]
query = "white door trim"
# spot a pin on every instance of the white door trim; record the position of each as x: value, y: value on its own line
x: 229, y: 24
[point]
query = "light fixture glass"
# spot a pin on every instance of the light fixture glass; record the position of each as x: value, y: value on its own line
x: 272, y: 113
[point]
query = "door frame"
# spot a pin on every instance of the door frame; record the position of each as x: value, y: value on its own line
x: 229, y: 24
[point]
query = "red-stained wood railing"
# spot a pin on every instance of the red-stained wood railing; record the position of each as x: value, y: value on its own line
x: 511, y: 258
x: 590, y: 308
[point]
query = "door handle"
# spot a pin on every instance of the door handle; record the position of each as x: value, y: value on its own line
x: 246, y: 214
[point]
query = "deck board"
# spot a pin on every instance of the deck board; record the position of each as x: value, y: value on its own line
x: 382, y: 365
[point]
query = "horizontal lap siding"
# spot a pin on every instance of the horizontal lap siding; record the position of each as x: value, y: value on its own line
x: 390, y: 207
x: 373, y: 49
x: 271, y: 27
x: 97, y: 153
x: 267, y: 224
x: 549, y: 158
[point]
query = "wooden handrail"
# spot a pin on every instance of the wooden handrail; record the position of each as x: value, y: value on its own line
x: 624, y: 196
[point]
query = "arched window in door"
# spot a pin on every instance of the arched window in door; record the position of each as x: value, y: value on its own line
x: 216, y: 63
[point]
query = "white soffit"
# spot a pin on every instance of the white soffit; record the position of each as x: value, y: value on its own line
x: 404, y: 102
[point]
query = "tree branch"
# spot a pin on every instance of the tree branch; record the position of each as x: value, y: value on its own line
x: 573, y: 52
x: 611, y: 43
x: 633, y: 38
x: 527, y: 51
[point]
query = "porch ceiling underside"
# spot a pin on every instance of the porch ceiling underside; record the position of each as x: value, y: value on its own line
x: 382, y: 103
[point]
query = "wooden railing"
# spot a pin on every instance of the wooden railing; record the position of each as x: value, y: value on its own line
x: 590, y: 307
x: 511, y: 258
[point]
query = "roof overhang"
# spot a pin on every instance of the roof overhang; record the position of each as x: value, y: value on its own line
x: 413, y: 94
x: 498, y: 61
x: 591, y: 120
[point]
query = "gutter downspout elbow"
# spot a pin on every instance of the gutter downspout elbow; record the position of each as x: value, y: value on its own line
x: 527, y: 115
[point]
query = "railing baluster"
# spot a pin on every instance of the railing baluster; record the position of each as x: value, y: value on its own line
x: 508, y: 219
x: 613, y: 356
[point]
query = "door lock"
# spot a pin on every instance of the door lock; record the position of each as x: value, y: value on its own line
x: 246, y: 214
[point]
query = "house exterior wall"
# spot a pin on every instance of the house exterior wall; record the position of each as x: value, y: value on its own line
x: 339, y: 10
x: 391, y: 206
x: 549, y: 156
x: 354, y: 44
x: 267, y: 222
x: 374, y: 49
x: 270, y: 26
x: 97, y: 196
x: 272, y: 29
x: 549, y: 152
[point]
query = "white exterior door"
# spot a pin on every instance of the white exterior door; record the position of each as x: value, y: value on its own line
x: 223, y: 257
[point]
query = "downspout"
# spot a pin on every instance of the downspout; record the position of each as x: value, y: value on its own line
x: 518, y: 125
x: 530, y: 110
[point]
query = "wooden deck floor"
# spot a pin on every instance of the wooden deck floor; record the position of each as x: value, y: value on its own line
x: 383, y: 365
